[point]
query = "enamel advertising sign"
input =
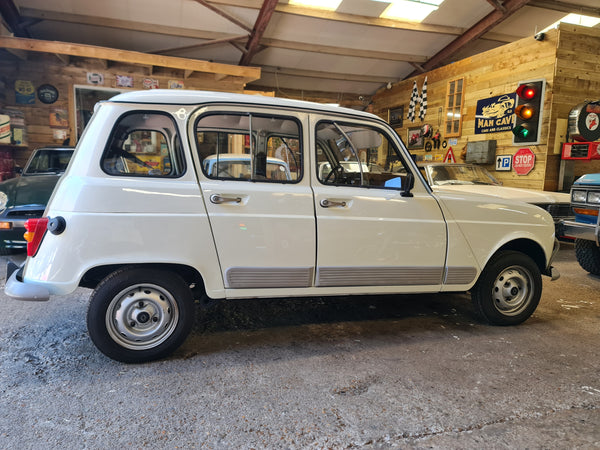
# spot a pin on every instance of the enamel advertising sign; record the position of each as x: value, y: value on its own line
x: 495, y: 114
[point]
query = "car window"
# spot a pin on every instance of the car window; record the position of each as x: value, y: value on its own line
x: 357, y: 155
x: 144, y: 144
x: 249, y: 147
x: 48, y: 161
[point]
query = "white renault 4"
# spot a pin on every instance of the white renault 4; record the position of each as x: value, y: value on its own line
x: 147, y: 217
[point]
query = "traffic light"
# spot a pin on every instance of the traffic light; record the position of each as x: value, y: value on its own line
x: 528, y: 112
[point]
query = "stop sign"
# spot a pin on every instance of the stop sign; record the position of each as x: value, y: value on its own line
x: 523, y: 161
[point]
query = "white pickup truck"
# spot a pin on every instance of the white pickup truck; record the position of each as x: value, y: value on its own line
x: 139, y: 218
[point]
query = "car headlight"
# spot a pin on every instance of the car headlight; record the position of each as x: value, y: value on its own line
x: 3, y: 201
x: 594, y: 197
x: 579, y: 196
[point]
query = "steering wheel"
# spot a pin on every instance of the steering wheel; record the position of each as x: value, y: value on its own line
x: 338, y: 174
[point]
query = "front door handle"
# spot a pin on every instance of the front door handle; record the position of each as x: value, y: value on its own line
x: 218, y: 199
x: 326, y: 203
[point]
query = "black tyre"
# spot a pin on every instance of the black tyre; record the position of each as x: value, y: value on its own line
x: 137, y: 315
x: 508, y: 289
x: 588, y: 255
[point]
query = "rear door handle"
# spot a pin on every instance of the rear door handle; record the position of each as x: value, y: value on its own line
x: 218, y: 199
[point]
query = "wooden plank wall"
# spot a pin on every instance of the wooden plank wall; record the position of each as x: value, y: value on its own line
x: 40, y: 68
x: 493, y: 73
x: 577, y: 79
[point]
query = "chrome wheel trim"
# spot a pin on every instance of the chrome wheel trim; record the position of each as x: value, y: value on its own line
x: 142, y: 316
x: 512, y: 290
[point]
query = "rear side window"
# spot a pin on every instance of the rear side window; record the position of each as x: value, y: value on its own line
x: 144, y: 144
x: 249, y: 147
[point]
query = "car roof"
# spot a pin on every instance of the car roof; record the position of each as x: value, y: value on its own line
x: 190, y: 97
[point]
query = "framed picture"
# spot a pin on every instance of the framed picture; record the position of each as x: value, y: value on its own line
x: 395, y: 116
x: 414, y: 138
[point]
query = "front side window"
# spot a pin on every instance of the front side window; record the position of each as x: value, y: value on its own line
x: 144, y: 144
x: 249, y: 147
x: 357, y: 155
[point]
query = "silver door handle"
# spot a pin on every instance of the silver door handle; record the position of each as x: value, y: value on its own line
x: 218, y: 199
x: 325, y: 203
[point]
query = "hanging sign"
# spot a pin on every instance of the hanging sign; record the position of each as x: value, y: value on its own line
x: 24, y: 92
x: 495, y: 114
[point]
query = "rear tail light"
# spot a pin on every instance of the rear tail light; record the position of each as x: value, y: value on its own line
x: 36, y: 229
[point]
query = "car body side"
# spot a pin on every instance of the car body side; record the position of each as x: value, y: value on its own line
x: 109, y: 219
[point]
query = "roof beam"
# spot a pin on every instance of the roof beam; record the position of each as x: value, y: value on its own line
x: 327, y: 75
x: 262, y: 21
x: 225, y: 14
x: 566, y: 7
x: 12, y: 18
x: 201, y: 45
x: 475, y: 32
x: 343, y: 51
x: 126, y: 56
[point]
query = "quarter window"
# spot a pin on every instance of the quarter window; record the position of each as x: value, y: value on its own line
x: 144, y: 144
x: 357, y: 155
x: 249, y: 147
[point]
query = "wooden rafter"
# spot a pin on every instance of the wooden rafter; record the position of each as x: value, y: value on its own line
x: 130, y: 57
x: 476, y: 31
x: 566, y: 7
x: 201, y: 45
x: 262, y: 21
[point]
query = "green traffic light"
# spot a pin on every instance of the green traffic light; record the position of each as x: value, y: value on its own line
x: 520, y: 131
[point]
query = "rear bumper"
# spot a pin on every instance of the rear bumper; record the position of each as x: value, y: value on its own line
x: 19, y: 290
x: 584, y: 231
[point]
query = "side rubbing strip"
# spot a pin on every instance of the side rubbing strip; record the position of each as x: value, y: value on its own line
x: 460, y: 275
x: 268, y: 277
x: 379, y: 276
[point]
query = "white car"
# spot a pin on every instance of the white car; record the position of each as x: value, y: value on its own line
x: 476, y: 179
x: 141, y: 218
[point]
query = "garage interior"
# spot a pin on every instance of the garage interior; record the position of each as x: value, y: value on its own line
x: 372, y: 372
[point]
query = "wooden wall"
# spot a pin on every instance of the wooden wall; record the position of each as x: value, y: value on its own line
x: 566, y: 58
x: 576, y: 79
x: 42, y: 68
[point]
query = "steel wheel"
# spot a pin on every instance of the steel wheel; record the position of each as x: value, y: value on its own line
x: 138, y: 314
x: 508, y: 289
x: 142, y: 316
x: 512, y: 290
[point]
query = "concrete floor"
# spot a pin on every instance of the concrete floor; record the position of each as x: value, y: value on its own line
x: 368, y: 372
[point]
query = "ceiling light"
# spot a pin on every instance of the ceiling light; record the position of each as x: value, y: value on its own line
x: 320, y: 4
x: 575, y: 19
x: 410, y: 10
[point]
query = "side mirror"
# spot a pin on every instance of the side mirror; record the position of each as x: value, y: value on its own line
x: 19, y: 170
x: 409, y: 184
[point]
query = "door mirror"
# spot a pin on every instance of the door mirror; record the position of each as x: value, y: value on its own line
x: 409, y: 183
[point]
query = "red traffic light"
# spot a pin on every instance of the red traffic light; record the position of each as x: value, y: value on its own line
x: 527, y: 91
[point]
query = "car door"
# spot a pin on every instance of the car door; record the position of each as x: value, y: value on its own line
x: 260, y: 205
x: 369, y: 234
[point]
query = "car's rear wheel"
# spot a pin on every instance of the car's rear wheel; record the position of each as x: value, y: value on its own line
x: 508, y: 289
x: 137, y: 315
x: 588, y: 255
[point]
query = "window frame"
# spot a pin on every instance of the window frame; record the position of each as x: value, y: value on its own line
x: 450, y: 117
x: 174, y: 151
x: 252, y: 142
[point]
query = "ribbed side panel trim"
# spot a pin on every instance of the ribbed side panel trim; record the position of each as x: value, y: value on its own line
x: 460, y: 275
x: 379, y: 276
x: 268, y: 277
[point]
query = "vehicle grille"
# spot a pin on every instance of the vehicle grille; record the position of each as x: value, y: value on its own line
x: 559, y: 210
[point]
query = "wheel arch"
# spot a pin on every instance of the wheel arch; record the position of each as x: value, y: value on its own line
x: 190, y: 275
x: 528, y: 247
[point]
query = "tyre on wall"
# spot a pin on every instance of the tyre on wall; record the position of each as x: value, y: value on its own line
x: 137, y: 315
x: 508, y: 289
x: 588, y: 255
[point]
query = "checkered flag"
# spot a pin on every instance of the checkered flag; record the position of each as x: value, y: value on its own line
x: 423, y: 109
x: 414, y: 98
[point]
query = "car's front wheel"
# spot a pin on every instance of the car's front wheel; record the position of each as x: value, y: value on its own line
x: 508, y: 289
x: 137, y: 315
